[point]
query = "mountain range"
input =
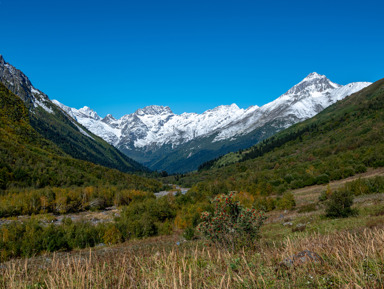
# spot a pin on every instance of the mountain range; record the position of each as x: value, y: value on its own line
x: 178, y: 143
x: 344, y: 139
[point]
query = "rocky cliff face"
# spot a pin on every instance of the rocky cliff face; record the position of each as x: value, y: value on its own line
x: 17, y: 82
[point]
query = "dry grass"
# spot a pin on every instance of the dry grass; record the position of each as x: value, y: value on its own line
x: 309, y: 194
x: 352, y: 260
x: 352, y: 248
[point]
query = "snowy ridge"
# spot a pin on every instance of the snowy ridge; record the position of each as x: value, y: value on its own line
x: 301, y: 102
x: 16, y: 81
x: 152, y: 127
x: 155, y: 125
x: 92, y: 121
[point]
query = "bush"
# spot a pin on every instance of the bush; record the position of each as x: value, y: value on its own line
x: 322, y: 179
x: 323, y: 197
x: 339, y: 205
x: 147, y: 218
x: 265, y: 204
x: 287, y: 202
x: 325, y: 194
x: 189, y: 233
x: 231, y: 226
x: 112, y: 236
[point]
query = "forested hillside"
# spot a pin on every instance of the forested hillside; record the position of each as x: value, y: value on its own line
x: 53, y: 124
x: 27, y: 159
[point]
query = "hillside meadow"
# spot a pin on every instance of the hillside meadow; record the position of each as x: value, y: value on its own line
x: 351, y: 250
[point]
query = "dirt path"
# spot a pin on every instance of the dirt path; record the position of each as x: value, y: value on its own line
x: 311, y: 193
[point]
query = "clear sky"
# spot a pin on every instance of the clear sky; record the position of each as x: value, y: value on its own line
x: 192, y: 55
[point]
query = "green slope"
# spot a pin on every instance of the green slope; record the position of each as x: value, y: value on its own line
x: 61, y: 130
x: 56, y: 126
x: 27, y: 159
x: 344, y: 139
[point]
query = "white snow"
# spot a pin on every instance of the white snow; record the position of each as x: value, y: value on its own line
x: 92, y: 121
x: 157, y: 125
x: 35, y: 91
x: 38, y: 103
x: 82, y: 131
x: 294, y: 105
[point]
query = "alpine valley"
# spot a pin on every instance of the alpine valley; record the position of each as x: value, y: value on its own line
x: 319, y: 183
x: 163, y: 140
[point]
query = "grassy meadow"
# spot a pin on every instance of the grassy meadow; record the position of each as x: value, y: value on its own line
x: 352, y: 250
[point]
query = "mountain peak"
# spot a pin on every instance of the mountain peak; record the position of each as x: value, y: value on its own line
x: 154, y: 110
x: 313, y: 82
x: 225, y: 108
x: 89, y: 112
x: 108, y: 118
x: 313, y: 75
x: 17, y: 82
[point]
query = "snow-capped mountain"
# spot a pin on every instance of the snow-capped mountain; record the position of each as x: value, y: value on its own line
x: 163, y: 140
x: 156, y: 125
x: 61, y: 128
x: 304, y: 100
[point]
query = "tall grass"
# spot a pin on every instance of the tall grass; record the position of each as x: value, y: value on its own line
x: 351, y: 260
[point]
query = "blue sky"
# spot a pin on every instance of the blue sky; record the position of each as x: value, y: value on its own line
x: 192, y: 55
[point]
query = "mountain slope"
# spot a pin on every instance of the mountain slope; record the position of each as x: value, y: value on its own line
x: 29, y: 160
x: 52, y: 123
x: 344, y: 139
x: 162, y: 140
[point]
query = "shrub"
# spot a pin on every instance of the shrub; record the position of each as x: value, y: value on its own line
x: 265, y: 204
x: 339, y: 205
x: 287, y: 202
x: 189, y: 233
x: 164, y: 228
x: 54, y: 239
x: 112, y: 236
x: 323, y: 196
x: 322, y: 179
x: 231, y: 226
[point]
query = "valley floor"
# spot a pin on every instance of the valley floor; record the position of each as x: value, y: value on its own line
x: 352, y: 250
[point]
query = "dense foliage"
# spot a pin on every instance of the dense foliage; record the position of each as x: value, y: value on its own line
x: 143, y: 215
x: 68, y: 200
x: 231, y: 225
x: 31, y: 238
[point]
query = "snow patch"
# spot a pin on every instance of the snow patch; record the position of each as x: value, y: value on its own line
x: 38, y: 103
x: 82, y: 131
x: 35, y: 91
